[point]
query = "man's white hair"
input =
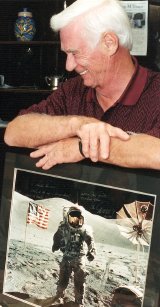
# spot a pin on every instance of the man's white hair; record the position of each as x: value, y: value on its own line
x: 96, y: 17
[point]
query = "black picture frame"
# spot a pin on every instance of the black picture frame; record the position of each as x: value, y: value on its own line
x: 103, y: 190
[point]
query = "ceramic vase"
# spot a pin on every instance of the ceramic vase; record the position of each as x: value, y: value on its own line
x: 25, y: 26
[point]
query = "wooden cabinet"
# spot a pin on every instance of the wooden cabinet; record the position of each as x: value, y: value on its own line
x: 25, y: 64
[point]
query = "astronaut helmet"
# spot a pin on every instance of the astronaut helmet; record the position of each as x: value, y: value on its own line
x: 75, y: 217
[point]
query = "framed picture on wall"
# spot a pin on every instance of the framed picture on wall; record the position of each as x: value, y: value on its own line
x: 79, y: 234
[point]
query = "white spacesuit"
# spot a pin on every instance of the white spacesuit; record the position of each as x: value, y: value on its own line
x: 75, y: 240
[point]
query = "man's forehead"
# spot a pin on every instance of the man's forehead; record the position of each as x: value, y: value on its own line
x: 73, y: 30
x: 70, y: 29
x: 71, y: 43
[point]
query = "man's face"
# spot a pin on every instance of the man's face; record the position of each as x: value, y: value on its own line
x: 89, y: 63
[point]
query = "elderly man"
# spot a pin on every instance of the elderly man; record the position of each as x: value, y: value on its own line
x: 110, y: 111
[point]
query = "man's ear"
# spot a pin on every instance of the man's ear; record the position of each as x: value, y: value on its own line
x: 110, y: 42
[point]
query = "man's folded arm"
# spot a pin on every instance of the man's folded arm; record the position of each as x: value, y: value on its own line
x: 140, y: 151
x: 33, y: 129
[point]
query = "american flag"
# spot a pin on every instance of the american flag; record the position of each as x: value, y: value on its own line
x: 38, y: 215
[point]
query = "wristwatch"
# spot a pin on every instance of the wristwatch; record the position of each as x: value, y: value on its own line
x: 80, y: 148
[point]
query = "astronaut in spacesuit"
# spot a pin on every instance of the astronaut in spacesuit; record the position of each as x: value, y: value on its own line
x: 75, y: 239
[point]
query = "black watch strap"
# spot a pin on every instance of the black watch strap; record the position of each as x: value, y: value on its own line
x: 80, y: 148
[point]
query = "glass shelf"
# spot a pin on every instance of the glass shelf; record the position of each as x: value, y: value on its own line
x: 7, y: 42
x: 25, y: 89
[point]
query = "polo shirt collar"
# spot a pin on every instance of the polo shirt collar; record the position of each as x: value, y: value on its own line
x: 133, y: 90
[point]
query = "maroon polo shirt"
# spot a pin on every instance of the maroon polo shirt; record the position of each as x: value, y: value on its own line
x: 137, y: 110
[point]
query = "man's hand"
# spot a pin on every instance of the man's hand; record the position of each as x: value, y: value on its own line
x: 64, y: 151
x: 95, y: 139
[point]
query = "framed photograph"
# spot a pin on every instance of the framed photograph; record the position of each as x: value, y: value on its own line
x: 83, y: 234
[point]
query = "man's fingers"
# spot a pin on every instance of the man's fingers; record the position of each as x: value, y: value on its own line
x: 117, y: 132
x: 94, y: 149
x: 37, y: 153
x: 99, y: 145
x: 104, y: 146
x: 42, y: 161
x: 45, y: 160
x: 95, y: 141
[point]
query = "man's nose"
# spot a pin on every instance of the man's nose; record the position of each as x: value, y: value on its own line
x: 70, y: 62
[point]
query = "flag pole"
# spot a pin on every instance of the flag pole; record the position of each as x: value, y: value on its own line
x: 25, y: 233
